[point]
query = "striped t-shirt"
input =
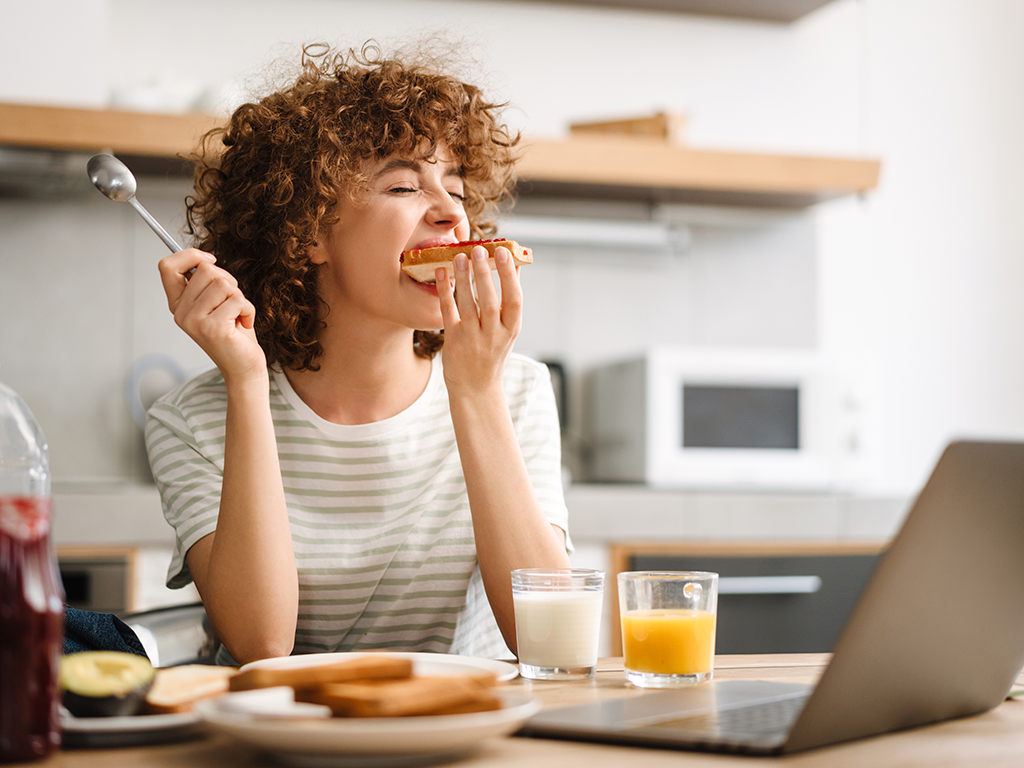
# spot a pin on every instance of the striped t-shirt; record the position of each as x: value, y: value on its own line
x: 380, y: 518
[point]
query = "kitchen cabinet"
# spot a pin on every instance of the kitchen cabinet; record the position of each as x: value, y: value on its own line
x: 579, y: 167
x: 98, y: 578
x: 773, y: 598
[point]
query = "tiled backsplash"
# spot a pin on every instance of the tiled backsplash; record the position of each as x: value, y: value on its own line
x: 80, y: 300
x: 81, y: 304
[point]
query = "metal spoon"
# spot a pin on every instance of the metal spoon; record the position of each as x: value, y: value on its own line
x: 112, y: 177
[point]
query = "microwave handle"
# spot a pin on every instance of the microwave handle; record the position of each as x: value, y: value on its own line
x: 768, y: 585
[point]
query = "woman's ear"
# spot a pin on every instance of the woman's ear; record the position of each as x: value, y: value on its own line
x: 318, y: 253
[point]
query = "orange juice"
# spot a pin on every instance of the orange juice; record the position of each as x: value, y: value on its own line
x: 668, y: 641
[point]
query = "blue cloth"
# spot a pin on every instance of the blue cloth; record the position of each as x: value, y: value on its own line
x: 91, y: 631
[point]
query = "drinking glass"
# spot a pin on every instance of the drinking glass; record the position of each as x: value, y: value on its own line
x: 668, y: 626
x: 558, y: 621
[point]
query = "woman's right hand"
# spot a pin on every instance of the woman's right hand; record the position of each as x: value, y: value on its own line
x: 245, y: 572
x: 208, y: 305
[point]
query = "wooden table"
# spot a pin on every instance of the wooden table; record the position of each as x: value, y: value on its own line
x: 993, y: 739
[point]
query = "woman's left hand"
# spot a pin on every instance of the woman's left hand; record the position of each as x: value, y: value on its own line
x: 509, y: 527
x: 479, y: 330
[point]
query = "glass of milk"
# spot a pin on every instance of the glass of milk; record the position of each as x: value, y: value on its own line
x: 558, y: 621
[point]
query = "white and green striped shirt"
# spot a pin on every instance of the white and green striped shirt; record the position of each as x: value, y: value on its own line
x: 380, y: 518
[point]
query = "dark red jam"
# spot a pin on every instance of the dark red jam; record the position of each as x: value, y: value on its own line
x: 31, y: 631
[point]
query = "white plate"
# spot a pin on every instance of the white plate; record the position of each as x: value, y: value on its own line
x: 128, y: 731
x: 269, y: 720
x: 423, y: 663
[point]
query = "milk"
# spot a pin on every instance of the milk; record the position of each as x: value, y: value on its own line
x: 558, y: 629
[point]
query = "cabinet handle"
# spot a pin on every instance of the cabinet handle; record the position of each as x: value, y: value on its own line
x: 768, y: 585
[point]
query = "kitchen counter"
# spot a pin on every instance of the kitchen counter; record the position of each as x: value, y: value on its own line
x: 111, y: 515
x: 131, y: 515
x: 604, y: 513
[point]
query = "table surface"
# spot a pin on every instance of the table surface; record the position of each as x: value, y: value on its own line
x: 995, y: 738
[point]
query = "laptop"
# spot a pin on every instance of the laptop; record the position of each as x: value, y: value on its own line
x: 938, y: 633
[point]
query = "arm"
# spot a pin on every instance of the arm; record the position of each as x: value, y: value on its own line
x: 510, y: 529
x: 245, y: 571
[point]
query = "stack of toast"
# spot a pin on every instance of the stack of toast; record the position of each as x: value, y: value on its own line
x: 377, y: 686
x: 361, y: 686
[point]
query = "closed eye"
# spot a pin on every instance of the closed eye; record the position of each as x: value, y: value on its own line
x: 458, y: 196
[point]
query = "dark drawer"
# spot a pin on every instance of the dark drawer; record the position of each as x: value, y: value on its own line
x: 795, y: 603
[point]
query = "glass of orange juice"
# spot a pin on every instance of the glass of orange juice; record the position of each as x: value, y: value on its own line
x: 668, y: 626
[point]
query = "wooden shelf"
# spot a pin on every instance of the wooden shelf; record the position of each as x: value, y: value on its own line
x: 581, y: 167
x: 91, y: 130
x: 654, y: 170
x: 150, y: 143
x: 761, y: 10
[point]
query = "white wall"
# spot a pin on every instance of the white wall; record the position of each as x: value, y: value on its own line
x: 921, y: 283
x: 912, y: 292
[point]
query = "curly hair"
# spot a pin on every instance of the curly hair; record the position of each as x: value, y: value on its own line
x: 267, y: 184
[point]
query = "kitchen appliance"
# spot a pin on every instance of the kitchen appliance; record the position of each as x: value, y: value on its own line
x: 711, y: 418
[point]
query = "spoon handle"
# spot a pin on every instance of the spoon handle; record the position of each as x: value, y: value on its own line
x: 155, y: 225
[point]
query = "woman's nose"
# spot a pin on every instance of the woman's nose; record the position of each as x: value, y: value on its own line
x: 446, y: 210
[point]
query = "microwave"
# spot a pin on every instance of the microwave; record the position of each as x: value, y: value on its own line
x: 680, y: 417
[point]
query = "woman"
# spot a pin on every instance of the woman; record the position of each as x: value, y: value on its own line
x: 346, y: 478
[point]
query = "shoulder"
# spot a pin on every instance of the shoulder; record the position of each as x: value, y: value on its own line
x: 523, y: 373
x: 528, y: 390
x: 201, y: 399
x: 203, y: 390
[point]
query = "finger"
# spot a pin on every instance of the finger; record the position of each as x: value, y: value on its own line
x: 208, y: 289
x: 205, y: 278
x: 175, y: 269
x: 247, y: 315
x: 486, y: 292
x: 220, y: 324
x: 233, y: 308
x: 183, y: 295
x: 233, y: 312
x: 511, y: 290
x: 464, y: 288
x: 446, y: 295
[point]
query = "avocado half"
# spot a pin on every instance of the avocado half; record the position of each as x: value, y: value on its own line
x: 105, y: 683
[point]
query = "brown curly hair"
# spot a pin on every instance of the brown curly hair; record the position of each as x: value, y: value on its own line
x: 267, y: 183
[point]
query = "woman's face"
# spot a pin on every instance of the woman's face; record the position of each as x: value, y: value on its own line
x: 411, y: 202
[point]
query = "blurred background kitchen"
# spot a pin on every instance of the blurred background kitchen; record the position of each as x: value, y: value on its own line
x: 908, y: 293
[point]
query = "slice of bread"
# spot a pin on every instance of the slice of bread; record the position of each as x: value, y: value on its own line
x: 417, y: 696
x: 420, y: 264
x: 369, y: 667
x: 177, y: 689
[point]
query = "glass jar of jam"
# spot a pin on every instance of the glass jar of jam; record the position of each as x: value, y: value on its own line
x: 31, y: 596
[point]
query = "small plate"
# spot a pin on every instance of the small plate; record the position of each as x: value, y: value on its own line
x: 423, y: 663
x: 309, y: 739
x: 128, y: 731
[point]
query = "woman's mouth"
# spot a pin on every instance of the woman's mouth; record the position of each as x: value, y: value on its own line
x: 428, y: 287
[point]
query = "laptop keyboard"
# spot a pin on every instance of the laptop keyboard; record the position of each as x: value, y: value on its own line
x: 742, y: 723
